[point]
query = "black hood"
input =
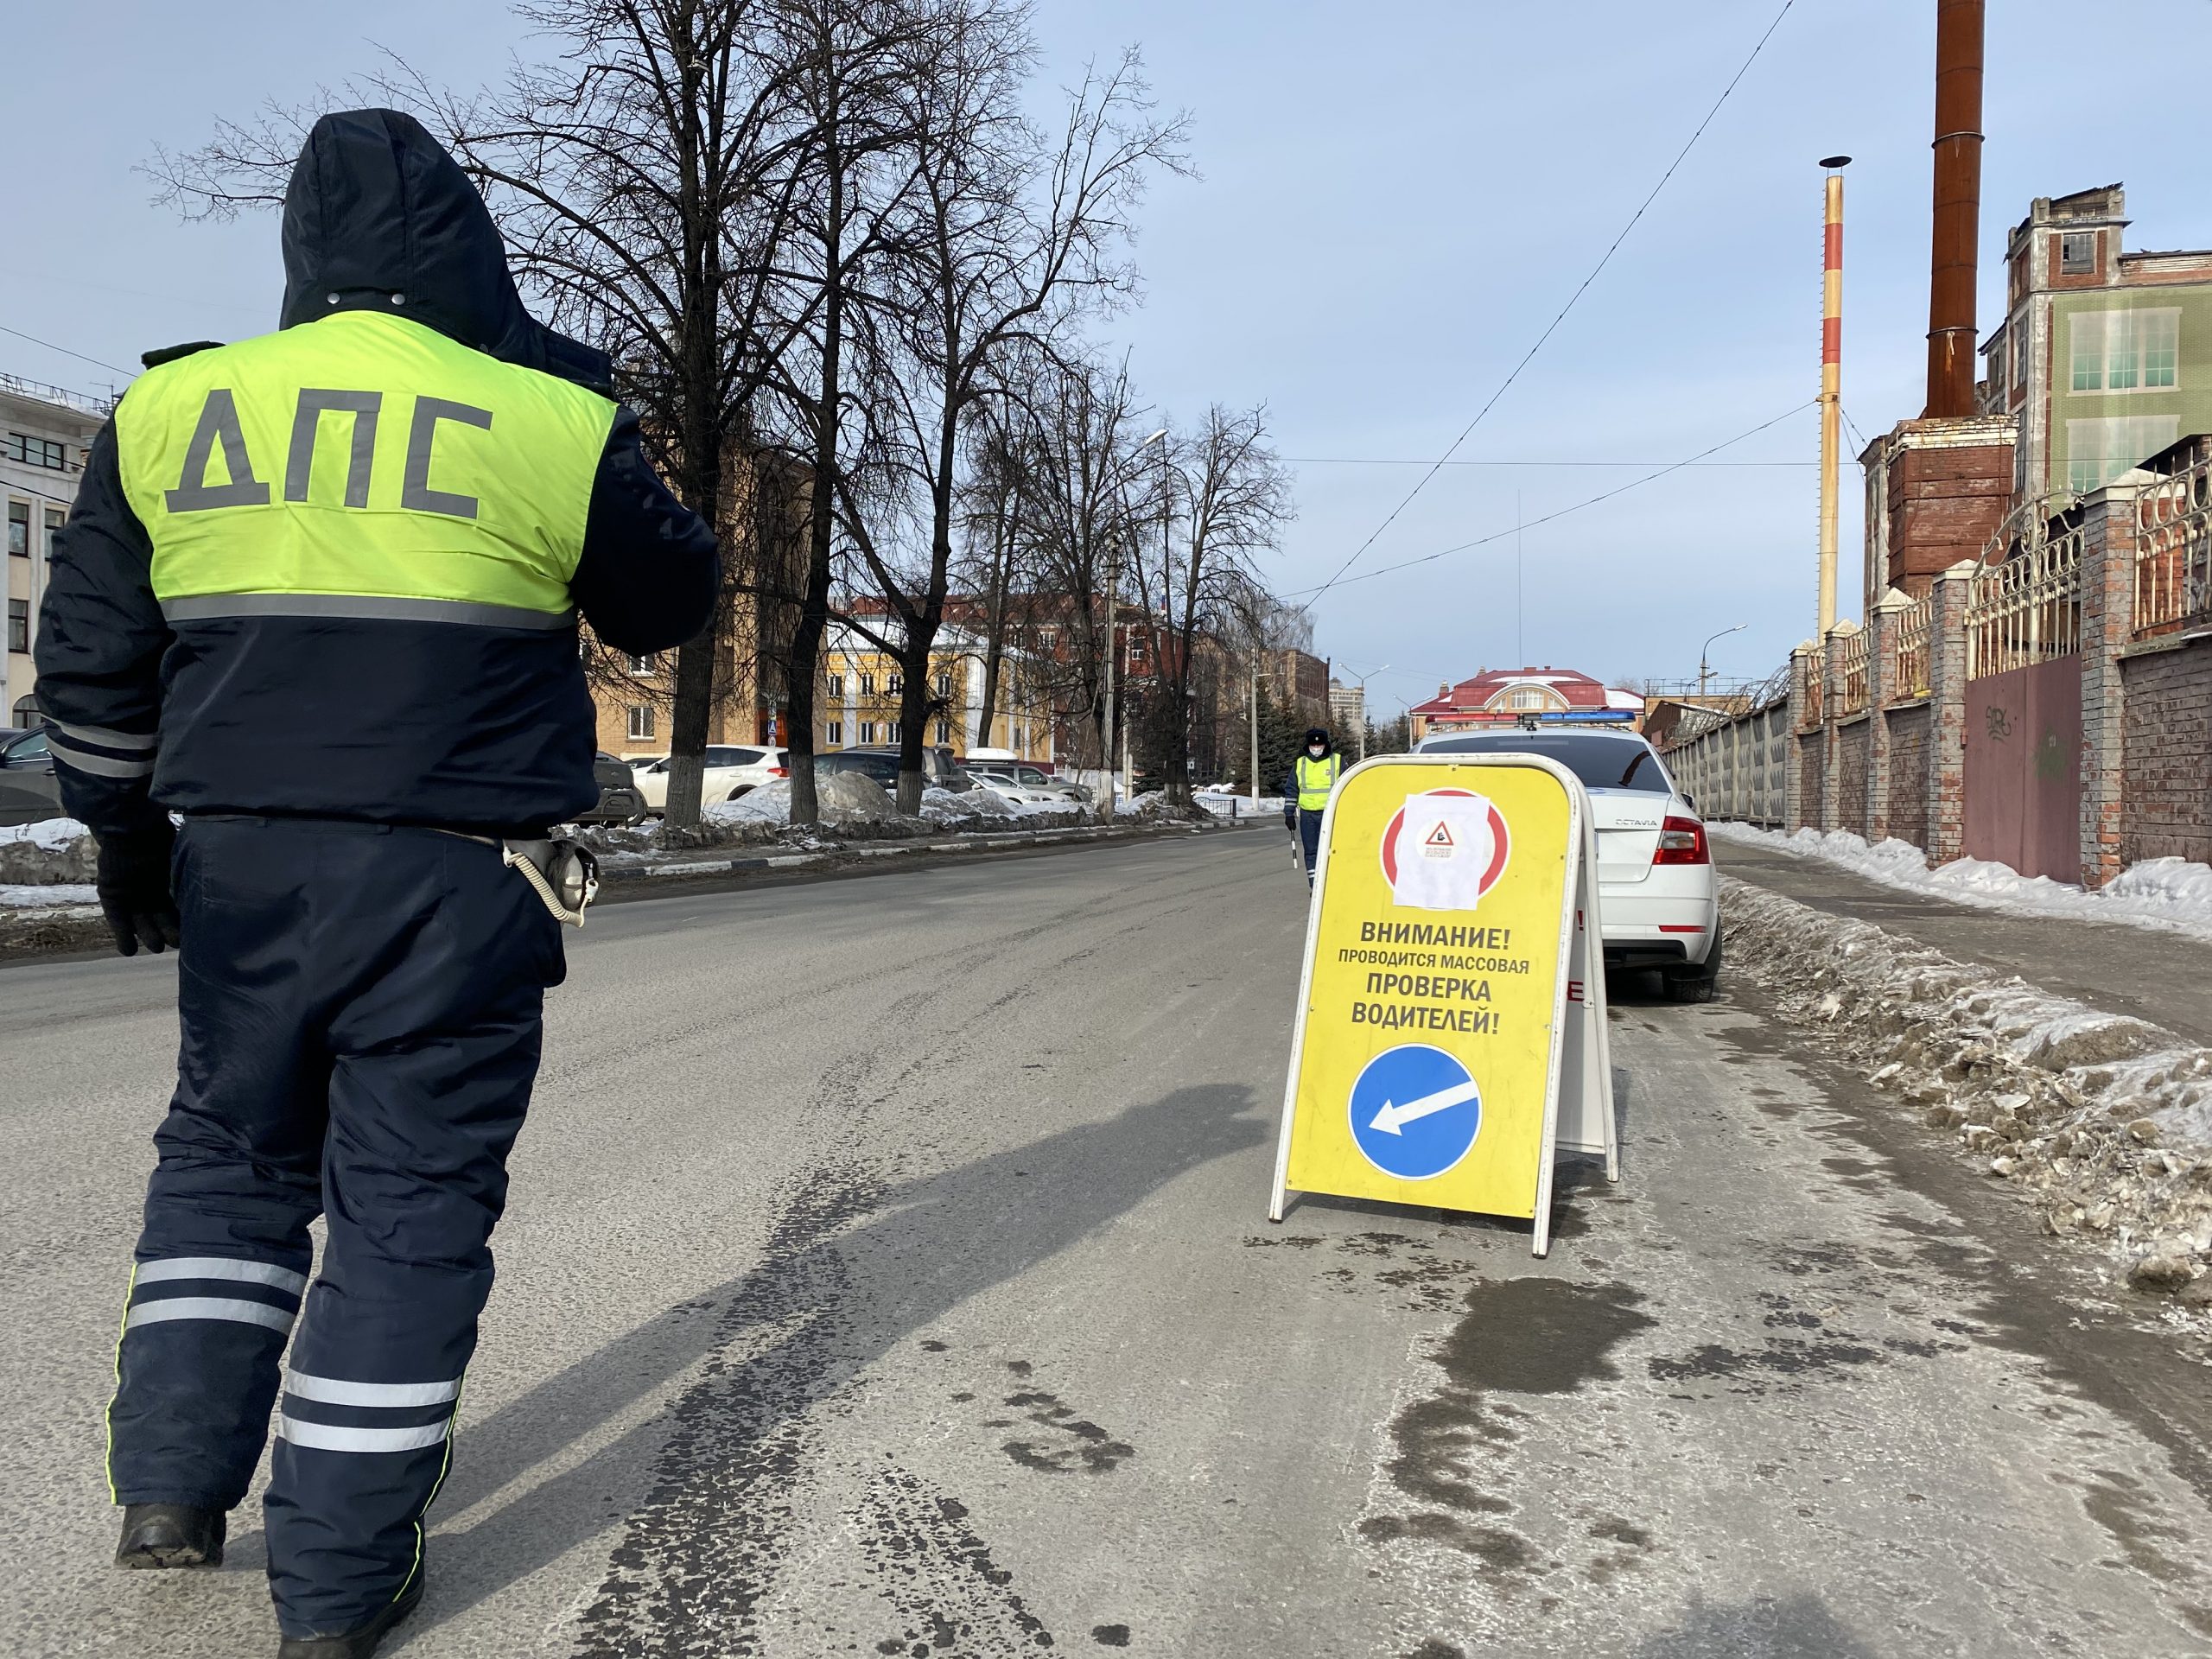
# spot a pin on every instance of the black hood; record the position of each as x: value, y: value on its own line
x: 379, y: 217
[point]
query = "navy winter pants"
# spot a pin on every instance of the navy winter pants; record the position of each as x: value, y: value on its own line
x: 1309, y: 836
x: 360, y: 1011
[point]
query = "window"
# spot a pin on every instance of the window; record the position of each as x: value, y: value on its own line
x: 19, y: 530
x: 19, y: 625
x: 54, y: 519
x: 1529, y: 696
x: 641, y: 721
x: 835, y: 685
x: 2097, y: 451
x: 943, y: 682
x: 944, y: 731
x: 2126, y: 351
x: 646, y: 664
x: 1600, y: 760
x: 833, y: 734
x: 868, y: 727
x: 1047, y: 637
x: 893, y: 684
x: 867, y: 685
x: 2077, y: 254
x: 719, y: 756
x: 35, y: 452
x: 894, y: 731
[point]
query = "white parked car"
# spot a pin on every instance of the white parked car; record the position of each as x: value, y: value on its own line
x: 1656, y: 890
x: 1018, y: 779
x: 731, y: 770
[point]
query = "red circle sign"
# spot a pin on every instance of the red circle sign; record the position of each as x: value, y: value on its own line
x: 1500, y: 841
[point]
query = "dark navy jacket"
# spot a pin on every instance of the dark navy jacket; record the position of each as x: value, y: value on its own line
x: 378, y: 719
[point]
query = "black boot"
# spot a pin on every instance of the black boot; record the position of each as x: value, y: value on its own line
x: 359, y: 1644
x: 170, y: 1534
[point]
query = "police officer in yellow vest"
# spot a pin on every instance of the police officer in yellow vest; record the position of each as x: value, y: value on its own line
x: 318, y: 598
x: 1312, y: 778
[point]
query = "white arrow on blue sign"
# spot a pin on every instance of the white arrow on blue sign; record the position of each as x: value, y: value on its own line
x: 1415, y: 1112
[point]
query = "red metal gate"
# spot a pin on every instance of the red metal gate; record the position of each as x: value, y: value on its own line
x: 2024, y: 768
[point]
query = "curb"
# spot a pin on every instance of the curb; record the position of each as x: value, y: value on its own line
x: 854, y: 856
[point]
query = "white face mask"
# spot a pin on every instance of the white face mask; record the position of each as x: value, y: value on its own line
x: 1316, y: 750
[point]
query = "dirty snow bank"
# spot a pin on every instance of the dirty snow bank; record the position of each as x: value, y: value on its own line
x: 2166, y: 892
x: 52, y: 850
x: 2104, y: 1122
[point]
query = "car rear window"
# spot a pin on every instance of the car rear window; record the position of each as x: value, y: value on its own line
x: 721, y: 757
x: 1601, y: 762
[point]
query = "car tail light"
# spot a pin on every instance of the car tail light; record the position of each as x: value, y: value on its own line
x: 1681, y: 841
x: 779, y: 771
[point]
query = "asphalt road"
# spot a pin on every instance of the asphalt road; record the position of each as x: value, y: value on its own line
x: 886, y: 1273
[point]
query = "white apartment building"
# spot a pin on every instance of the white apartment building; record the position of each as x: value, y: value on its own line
x: 45, y: 433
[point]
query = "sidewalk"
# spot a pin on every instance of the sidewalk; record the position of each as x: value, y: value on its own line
x: 2144, y: 972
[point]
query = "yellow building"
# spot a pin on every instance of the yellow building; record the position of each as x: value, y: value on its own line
x: 857, y: 699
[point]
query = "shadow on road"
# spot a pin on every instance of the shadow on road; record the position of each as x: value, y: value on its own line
x: 856, y: 1264
x: 1766, y: 1627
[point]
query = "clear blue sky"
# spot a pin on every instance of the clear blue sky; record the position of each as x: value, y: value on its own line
x: 1397, y: 197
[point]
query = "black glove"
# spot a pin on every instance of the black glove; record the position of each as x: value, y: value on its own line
x: 133, y: 883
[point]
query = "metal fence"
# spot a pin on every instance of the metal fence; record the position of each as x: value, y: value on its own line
x: 1851, y: 668
x: 1910, y: 627
x: 39, y: 391
x: 2173, y: 549
x: 2027, y: 609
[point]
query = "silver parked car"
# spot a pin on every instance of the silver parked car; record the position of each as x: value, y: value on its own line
x: 28, y: 790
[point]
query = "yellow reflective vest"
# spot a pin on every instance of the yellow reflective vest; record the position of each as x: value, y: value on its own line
x: 362, y: 465
x: 1315, y: 779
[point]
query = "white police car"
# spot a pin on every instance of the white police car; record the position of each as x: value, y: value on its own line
x: 1656, y: 889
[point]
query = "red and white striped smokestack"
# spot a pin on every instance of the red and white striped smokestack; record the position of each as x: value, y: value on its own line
x: 1952, y: 337
x: 1831, y: 380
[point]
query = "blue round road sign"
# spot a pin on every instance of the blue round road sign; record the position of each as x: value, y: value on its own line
x: 1415, y: 1112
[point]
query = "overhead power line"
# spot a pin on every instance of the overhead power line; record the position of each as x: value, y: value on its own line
x: 1583, y: 288
x: 1607, y: 495
x: 1371, y: 461
x: 64, y: 350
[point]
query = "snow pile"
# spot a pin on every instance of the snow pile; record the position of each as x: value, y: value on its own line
x: 2167, y: 893
x: 840, y: 797
x: 2104, y: 1122
x: 49, y: 835
x: 968, y: 807
x: 1154, y: 807
x: 50, y: 851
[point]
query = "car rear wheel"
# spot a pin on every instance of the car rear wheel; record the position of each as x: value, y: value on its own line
x: 739, y: 793
x: 1697, y: 984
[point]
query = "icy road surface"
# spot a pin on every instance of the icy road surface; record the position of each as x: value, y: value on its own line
x: 885, y: 1274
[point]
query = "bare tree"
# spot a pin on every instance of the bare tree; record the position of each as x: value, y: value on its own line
x: 1074, y: 508
x: 1007, y: 235
x: 1220, y: 498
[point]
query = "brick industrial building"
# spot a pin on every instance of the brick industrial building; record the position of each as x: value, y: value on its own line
x: 2032, y: 683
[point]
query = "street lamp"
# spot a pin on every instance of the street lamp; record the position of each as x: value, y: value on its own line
x: 1363, y: 679
x: 1113, y: 631
x: 1707, y: 646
